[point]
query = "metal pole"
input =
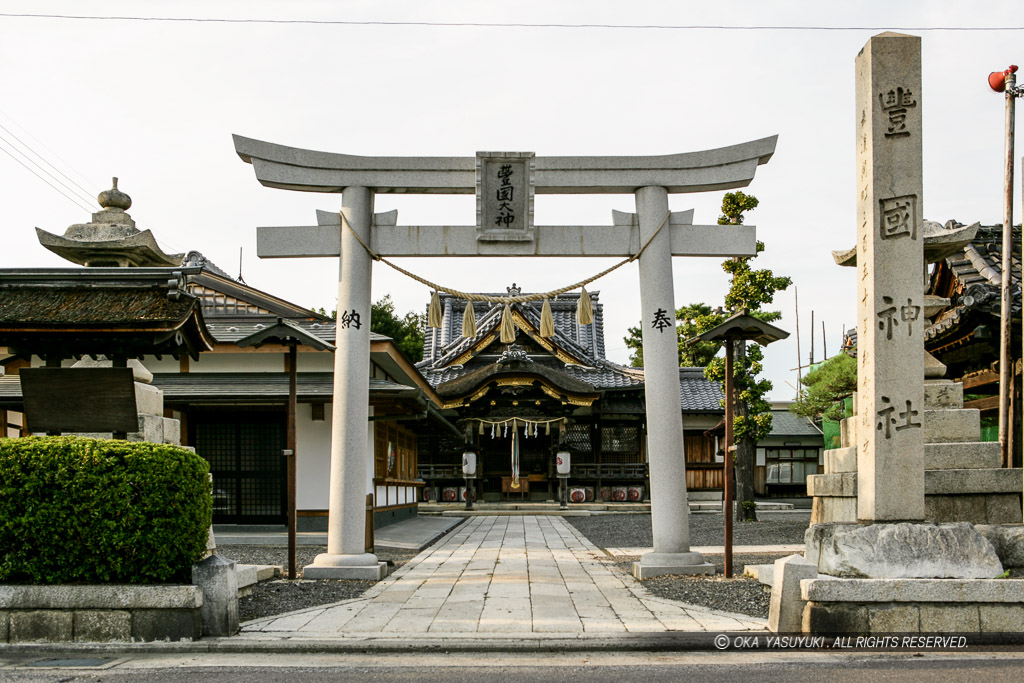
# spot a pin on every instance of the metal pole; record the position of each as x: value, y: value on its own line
x: 730, y: 349
x: 1005, y: 310
x: 799, y: 360
x: 292, y: 406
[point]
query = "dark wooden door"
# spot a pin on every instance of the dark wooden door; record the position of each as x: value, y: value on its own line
x: 249, y: 473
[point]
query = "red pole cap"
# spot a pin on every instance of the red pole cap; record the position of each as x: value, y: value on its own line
x: 997, y: 79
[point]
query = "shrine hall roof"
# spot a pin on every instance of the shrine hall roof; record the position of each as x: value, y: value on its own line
x: 976, y: 274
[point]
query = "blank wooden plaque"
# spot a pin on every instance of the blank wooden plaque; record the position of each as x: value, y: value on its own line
x: 79, y: 399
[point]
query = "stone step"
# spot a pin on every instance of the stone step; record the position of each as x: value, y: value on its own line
x: 847, y: 432
x: 839, y: 460
x: 940, y: 426
x: 964, y: 455
x: 943, y: 393
x: 762, y: 573
x: 951, y: 424
x: 936, y: 482
x: 953, y: 482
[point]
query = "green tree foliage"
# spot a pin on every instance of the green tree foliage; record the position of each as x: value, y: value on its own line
x: 78, y: 510
x: 826, y: 387
x: 691, y: 320
x: 407, y: 331
x: 750, y: 289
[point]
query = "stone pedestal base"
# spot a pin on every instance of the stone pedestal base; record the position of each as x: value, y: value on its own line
x: 954, y: 550
x: 878, y: 606
x: 663, y: 564
x: 363, y: 567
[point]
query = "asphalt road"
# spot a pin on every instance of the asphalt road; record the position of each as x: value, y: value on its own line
x: 597, y: 667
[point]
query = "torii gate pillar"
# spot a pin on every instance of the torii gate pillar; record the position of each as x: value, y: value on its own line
x: 670, y: 523
x: 346, y: 556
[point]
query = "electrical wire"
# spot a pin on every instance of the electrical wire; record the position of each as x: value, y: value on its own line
x: 39, y: 156
x: 487, y: 24
x: 52, y: 177
x: 70, y: 198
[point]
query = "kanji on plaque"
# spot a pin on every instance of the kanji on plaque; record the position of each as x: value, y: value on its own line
x: 899, y: 218
x: 505, y: 195
x: 661, y: 320
x: 895, y: 104
x: 347, y: 319
x: 891, y: 419
x: 890, y: 316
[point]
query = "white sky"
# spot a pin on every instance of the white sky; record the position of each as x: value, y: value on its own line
x: 155, y: 103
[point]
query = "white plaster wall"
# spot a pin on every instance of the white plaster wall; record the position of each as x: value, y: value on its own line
x: 238, y: 362
x: 369, y: 453
x: 165, y: 364
x: 313, y: 445
x: 321, y: 361
x: 700, y: 421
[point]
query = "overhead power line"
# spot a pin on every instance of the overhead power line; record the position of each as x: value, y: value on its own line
x: 488, y: 24
x: 80, y: 193
x: 67, y: 196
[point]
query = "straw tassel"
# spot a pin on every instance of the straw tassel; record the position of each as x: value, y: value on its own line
x: 508, y: 328
x: 434, y: 312
x: 584, y: 311
x: 469, y: 321
x: 547, y: 321
x: 481, y: 432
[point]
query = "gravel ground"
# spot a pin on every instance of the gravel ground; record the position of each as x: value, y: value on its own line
x: 741, y: 595
x: 281, y: 595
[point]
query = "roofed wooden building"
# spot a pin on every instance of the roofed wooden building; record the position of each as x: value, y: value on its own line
x: 965, y: 335
x: 559, y: 392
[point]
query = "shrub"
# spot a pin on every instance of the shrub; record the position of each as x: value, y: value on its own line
x: 78, y: 510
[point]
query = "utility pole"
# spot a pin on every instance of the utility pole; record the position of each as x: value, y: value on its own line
x: 1006, y: 82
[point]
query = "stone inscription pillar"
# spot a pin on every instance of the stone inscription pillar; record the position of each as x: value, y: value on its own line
x: 666, y: 458
x: 890, y: 262
x: 346, y: 535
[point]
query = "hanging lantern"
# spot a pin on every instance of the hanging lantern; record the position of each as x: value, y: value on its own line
x: 469, y: 321
x: 584, y: 311
x: 547, y: 321
x: 469, y: 464
x: 562, y: 465
x: 434, y: 312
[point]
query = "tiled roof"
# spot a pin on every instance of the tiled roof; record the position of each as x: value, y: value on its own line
x: 230, y: 330
x: 563, y: 309
x: 977, y: 270
x: 253, y: 386
x: 698, y: 394
x: 786, y: 423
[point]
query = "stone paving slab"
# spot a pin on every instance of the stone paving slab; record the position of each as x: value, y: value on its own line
x: 522, y: 575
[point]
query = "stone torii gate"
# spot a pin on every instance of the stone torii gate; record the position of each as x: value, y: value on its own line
x: 505, y: 184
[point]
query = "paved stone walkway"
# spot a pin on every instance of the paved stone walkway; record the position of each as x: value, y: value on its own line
x: 531, y: 575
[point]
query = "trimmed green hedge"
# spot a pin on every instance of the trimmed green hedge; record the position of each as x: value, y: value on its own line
x: 77, y: 510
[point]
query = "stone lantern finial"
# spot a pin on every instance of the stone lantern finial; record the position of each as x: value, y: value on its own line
x: 114, y: 198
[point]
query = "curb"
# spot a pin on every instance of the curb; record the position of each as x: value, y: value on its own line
x: 405, y: 643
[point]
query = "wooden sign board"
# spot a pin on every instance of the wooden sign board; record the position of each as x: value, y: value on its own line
x: 79, y: 399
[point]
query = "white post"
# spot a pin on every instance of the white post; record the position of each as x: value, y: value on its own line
x: 666, y: 458
x: 346, y: 556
